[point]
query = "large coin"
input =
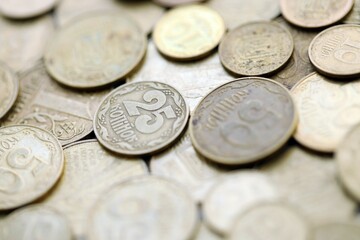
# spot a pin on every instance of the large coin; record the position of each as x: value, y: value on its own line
x: 336, y: 231
x: 354, y: 16
x: 95, y: 50
x: 31, y: 162
x: 324, y: 108
x: 20, y: 9
x: 9, y: 89
x: 336, y: 51
x: 141, y: 118
x: 243, y: 121
x: 188, y: 32
x: 257, y: 48
x: 161, y: 208
x: 315, y: 13
x: 173, y: 3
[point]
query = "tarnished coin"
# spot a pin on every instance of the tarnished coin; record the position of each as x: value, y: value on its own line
x: 315, y: 13
x: 336, y: 231
x: 31, y: 162
x: 354, y: 15
x: 20, y: 9
x: 324, y: 108
x: 9, y: 89
x: 336, y: 51
x: 162, y: 209
x: 173, y: 3
x: 270, y: 221
x: 256, y: 48
x: 243, y: 121
x: 140, y: 118
x: 95, y: 50
x: 188, y: 32
x: 36, y: 222
x: 233, y: 195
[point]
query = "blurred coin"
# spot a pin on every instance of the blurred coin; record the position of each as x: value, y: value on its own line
x: 9, y: 89
x: 31, y: 162
x: 173, y: 3
x: 337, y: 231
x: 95, y: 50
x: 256, y: 48
x: 243, y: 121
x: 188, y: 32
x: 354, y: 15
x: 205, y: 233
x: 161, y: 208
x: 20, y: 9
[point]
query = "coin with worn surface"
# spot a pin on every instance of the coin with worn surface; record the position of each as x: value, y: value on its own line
x: 173, y: 3
x: 270, y: 221
x: 31, y: 162
x: 96, y: 50
x: 9, y: 89
x: 188, y: 32
x: 243, y: 121
x: 336, y: 231
x: 141, y: 118
x: 20, y: 9
x: 256, y: 48
x: 36, y: 222
x: 162, y: 209
x: 336, y: 51
x: 354, y: 15
x: 324, y: 108
x: 315, y: 13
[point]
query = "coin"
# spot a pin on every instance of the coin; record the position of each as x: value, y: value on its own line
x: 173, y: 3
x: 20, y: 9
x: 336, y: 51
x: 162, y: 209
x: 354, y: 15
x: 140, y: 118
x: 336, y: 231
x: 324, y: 108
x: 36, y: 222
x: 243, y: 121
x: 188, y: 32
x: 95, y: 50
x: 205, y: 233
x: 89, y: 171
x: 270, y: 221
x: 9, y: 89
x: 31, y: 162
x: 256, y: 48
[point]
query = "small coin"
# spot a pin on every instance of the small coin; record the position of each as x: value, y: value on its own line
x: 96, y: 50
x: 20, y: 9
x: 188, y: 32
x: 336, y: 231
x: 173, y: 3
x: 324, y: 108
x: 354, y: 15
x: 315, y: 13
x: 256, y: 48
x: 271, y: 221
x: 9, y: 89
x: 141, y: 118
x: 31, y: 162
x: 243, y: 121
x: 335, y: 52
x: 161, y: 208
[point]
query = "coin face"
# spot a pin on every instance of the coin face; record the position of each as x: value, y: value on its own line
x: 243, y: 121
x: 9, y: 89
x: 95, y: 50
x: 271, y: 221
x: 31, y: 162
x: 140, y: 118
x: 336, y: 231
x: 256, y: 48
x: 173, y: 3
x: 354, y: 15
x: 324, y: 108
x: 163, y: 209
x: 188, y: 32
x: 20, y: 9
x: 336, y: 51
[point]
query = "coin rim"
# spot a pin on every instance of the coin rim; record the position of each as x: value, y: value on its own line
x: 31, y: 14
x: 16, y: 88
x: 171, y: 4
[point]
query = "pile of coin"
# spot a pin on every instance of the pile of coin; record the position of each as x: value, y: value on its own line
x: 180, y: 119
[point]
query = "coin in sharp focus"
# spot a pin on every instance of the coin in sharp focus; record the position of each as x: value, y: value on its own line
x: 270, y: 221
x: 36, y: 222
x: 243, y: 121
x: 174, y: 3
x: 315, y: 13
x: 31, y: 162
x: 163, y: 210
x: 141, y: 118
x: 9, y: 89
x: 324, y: 108
x: 335, y: 52
x: 89, y: 171
x: 21, y: 9
x: 188, y: 32
x: 354, y: 15
x: 95, y: 50
x: 256, y: 48
x: 336, y: 231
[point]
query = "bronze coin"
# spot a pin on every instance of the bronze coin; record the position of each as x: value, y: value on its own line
x: 20, y: 9
x: 173, y: 3
x: 9, y: 89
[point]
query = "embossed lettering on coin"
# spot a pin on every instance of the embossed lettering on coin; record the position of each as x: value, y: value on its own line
x: 9, y: 89
x: 20, y: 9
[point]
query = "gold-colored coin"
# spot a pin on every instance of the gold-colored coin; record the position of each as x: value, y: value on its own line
x: 243, y: 121
x: 336, y: 231
x: 9, y: 89
x: 31, y: 162
x: 324, y: 108
x: 354, y: 16
x: 173, y: 3
x: 188, y: 32
x: 315, y: 13
x: 335, y: 52
x: 162, y: 209
x: 257, y: 48
x: 96, y: 50
x: 141, y: 118
x: 20, y: 9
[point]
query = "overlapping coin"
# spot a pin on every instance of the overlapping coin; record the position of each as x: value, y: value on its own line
x: 20, y: 9
x: 9, y: 89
